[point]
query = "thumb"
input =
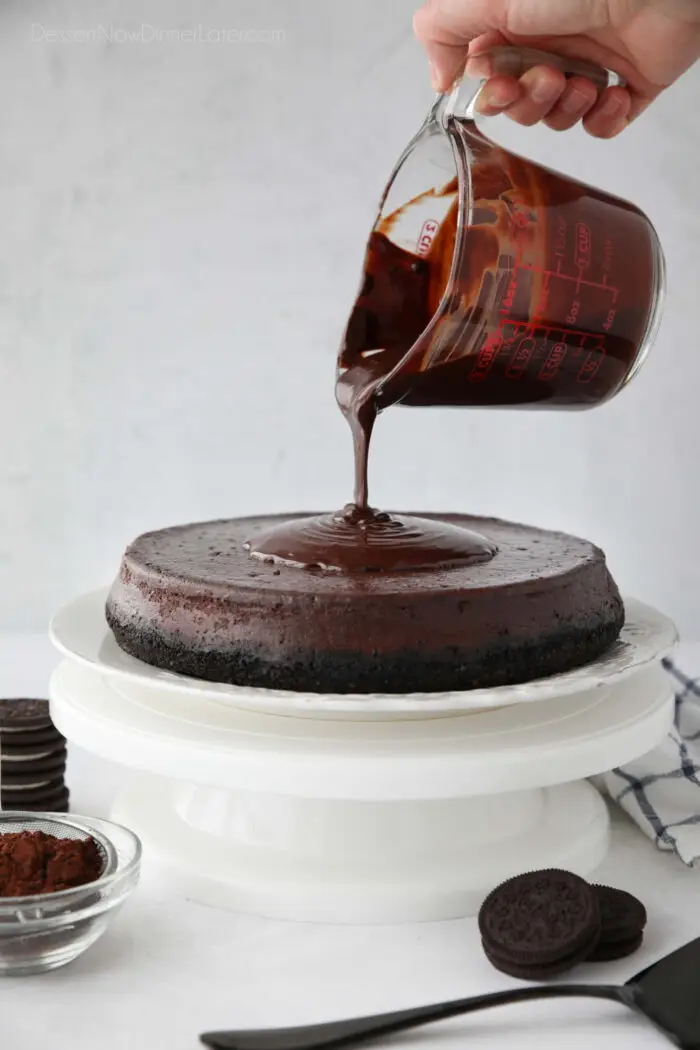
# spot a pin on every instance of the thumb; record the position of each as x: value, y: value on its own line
x: 445, y: 28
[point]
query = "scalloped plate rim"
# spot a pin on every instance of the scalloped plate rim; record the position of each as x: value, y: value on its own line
x: 625, y: 657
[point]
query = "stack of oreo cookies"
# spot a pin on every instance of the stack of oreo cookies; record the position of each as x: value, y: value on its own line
x: 541, y: 924
x: 32, y: 758
x: 622, y: 922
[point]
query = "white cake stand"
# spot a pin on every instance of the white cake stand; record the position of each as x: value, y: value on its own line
x: 367, y: 813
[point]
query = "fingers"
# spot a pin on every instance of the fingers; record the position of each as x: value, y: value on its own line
x: 454, y: 39
x: 541, y: 87
x: 545, y: 94
x: 538, y: 92
x: 446, y: 51
x: 498, y: 94
x: 610, y: 115
x: 445, y: 28
x: 577, y: 99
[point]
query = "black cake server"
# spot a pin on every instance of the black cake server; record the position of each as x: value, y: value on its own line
x: 667, y: 993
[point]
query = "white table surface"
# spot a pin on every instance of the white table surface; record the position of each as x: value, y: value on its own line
x: 169, y: 969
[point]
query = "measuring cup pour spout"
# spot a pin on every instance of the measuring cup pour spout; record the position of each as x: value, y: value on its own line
x: 492, y: 281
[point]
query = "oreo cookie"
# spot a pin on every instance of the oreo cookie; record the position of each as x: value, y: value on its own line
x: 20, y: 773
x: 24, y: 714
x: 40, y: 757
x: 32, y: 757
x: 615, y: 950
x: 540, y: 924
x: 26, y: 739
x: 16, y: 794
x: 54, y: 801
x: 622, y: 922
x: 536, y: 971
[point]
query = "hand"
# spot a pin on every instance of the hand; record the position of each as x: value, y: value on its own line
x: 649, y: 43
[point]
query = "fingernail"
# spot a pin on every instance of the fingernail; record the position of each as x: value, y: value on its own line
x: 478, y: 66
x: 611, y: 130
x: 434, y: 75
x: 611, y: 107
x: 495, y: 98
x: 543, y: 90
x: 574, y: 101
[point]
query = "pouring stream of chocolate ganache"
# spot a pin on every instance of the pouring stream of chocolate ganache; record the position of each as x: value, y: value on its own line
x: 359, y: 538
x: 401, y: 288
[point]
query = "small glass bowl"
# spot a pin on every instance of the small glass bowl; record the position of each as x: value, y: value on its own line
x: 45, y: 931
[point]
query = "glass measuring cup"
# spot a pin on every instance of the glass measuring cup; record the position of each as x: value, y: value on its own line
x: 490, y: 280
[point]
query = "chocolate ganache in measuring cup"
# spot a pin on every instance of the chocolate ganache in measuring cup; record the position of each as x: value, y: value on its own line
x: 503, y: 284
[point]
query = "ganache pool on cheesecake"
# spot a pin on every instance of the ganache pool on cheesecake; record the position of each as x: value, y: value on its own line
x: 193, y: 600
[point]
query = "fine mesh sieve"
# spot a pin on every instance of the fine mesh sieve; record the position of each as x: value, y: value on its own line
x: 14, y: 822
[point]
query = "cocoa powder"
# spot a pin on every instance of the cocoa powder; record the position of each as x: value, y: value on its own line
x: 33, y: 862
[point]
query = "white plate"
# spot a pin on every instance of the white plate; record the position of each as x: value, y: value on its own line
x: 81, y: 633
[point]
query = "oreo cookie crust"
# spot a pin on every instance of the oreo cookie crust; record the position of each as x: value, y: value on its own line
x: 540, y: 919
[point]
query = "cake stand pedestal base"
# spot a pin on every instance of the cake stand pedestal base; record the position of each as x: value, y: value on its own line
x: 329, y: 861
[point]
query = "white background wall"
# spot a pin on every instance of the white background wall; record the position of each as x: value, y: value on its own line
x: 181, y: 231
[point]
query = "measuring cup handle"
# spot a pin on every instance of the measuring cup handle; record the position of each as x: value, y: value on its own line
x: 513, y: 62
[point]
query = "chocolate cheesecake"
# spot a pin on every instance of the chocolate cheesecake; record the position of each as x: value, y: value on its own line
x: 193, y: 600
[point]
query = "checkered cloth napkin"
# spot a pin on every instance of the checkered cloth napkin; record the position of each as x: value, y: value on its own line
x: 661, y: 790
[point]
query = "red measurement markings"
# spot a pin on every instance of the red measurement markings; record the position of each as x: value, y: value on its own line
x: 573, y: 313
x: 487, y: 355
x: 521, y: 358
x: 511, y: 330
x: 427, y: 236
x: 519, y: 221
x: 554, y: 361
x: 560, y: 244
x: 539, y: 312
x: 590, y: 366
x: 511, y: 291
x: 582, y: 256
x: 577, y: 279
